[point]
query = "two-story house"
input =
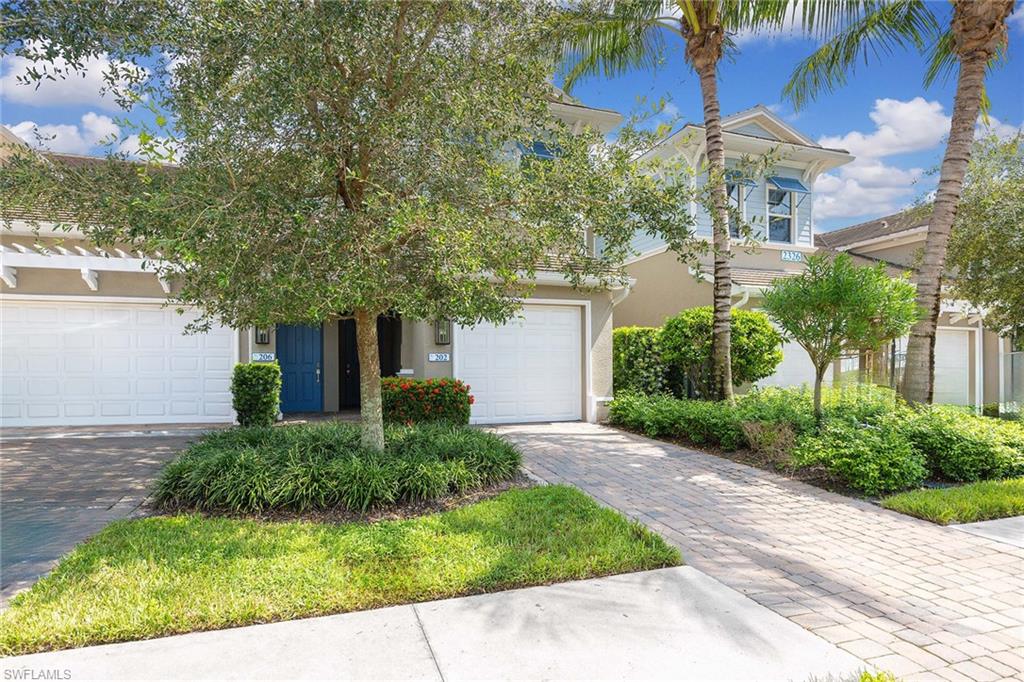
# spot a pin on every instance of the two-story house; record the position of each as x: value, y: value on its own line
x: 779, y: 209
x: 87, y: 338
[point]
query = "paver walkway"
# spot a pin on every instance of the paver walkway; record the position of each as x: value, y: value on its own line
x: 57, y: 491
x: 913, y: 598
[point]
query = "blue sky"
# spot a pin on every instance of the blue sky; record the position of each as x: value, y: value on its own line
x: 884, y: 115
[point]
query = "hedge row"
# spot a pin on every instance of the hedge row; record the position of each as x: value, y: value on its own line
x: 870, y: 439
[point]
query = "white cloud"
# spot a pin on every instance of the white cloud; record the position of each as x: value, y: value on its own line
x: 994, y: 125
x: 84, y: 87
x: 900, y: 127
x: 94, y: 129
x: 1017, y: 18
x: 792, y: 29
x: 869, y: 186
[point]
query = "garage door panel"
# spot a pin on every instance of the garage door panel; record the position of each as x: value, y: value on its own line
x: 952, y: 367
x: 528, y: 369
x: 78, y: 363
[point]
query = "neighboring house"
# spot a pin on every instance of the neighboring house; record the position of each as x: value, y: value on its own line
x: 778, y: 208
x: 87, y: 340
x: 971, y: 362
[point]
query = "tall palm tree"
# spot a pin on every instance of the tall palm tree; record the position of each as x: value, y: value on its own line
x: 626, y: 34
x: 975, y: 37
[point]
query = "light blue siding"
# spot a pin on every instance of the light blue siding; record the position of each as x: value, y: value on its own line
x: 804, y: 202
x: 755, y: 130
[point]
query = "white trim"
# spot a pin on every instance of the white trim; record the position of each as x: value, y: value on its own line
x: 85, y: 298
x: 9, y: 276
x: 771, y: 246
x: 589, y: 402
x: 979, y: 361
x: 759, y: 112
x: 88, y: 260
x: 1001, y: 352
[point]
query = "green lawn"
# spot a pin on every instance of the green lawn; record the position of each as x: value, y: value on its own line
x: 157, y: 576
x: 962, y: 504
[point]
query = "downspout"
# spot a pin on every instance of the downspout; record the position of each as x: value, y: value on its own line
x: 744, y: 297
x: 622, y: 292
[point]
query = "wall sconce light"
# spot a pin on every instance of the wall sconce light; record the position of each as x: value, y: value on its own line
x: 262, y: 335
x: 442, y: 332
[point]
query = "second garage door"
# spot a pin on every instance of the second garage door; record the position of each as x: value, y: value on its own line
x: 73, y: 364
x: 527, y: 370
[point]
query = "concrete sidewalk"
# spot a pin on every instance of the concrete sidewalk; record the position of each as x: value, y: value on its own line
x: 674, y: 623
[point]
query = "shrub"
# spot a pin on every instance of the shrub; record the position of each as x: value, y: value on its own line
x: 874, y: 459
x: 256, y: 393
x: 857, y: 404
x: 414, y: 401
x: 636, y: 360
x: 774, y: 440
x: 773, y: 405
x: 686, y: 348
x: 696, y: 421
x: 961, y: 446
x: 322, y: 466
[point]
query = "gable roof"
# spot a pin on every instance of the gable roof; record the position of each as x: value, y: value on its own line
x: 765, y: 118
x: 886, y: 226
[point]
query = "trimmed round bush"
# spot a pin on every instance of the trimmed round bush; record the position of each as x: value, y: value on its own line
x: 322, y: 466
x: 873, y: 459
x: 756, y: 348
x: 637, y: 364
x: 414, y: 401
x: 256, y: 393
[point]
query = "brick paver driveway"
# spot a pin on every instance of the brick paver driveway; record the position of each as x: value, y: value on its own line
x: 56, y: 492
x: 910, y: 597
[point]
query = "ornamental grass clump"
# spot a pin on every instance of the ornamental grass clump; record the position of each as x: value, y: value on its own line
x: 323, y: 466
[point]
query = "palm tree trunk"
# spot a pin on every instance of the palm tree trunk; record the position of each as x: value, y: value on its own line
x: 371, y: 410
x: 720, y: 331
x: 919, y: 369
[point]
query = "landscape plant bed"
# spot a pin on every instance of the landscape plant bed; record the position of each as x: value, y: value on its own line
x: 162, y: 575
x: 981, y: 501
x: 321, y: 467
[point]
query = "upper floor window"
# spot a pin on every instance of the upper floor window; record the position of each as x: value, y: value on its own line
x: 784, y: 195
x: 780, y: 216
x: 735, y: 193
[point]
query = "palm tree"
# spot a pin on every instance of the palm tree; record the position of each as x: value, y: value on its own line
x: 976, y: 36
x: 626, y: 34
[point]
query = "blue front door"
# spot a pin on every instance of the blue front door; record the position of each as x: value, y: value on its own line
x: 299, y: 352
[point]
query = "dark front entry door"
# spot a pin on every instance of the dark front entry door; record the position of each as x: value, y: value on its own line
x: 389, y: 345
x: 300, y: 354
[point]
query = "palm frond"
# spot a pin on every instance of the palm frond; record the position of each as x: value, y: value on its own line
x: 613, y: 39
x: 864, y: 33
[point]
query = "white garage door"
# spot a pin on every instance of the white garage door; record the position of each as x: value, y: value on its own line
x: 77, y: 364
x: 952, y: 367
x: 794, y: 370
x: 527, y: 370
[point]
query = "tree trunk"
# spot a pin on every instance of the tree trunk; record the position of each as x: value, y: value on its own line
x: 819, y: 376
x: 978, y: 28
x: 721, y: 330
x: 371, y: 410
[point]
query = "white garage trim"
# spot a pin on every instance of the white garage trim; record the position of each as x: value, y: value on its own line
x: 136, y: 303
x: 589, y: 402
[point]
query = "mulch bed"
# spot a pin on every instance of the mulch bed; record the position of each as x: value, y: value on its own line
x: 402, y: 510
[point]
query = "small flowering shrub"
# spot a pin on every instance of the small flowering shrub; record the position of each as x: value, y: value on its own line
x: 412, y: 401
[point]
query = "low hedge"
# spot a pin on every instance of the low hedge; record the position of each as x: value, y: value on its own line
x: 696, y: 421
x: 870, y: 439
x: 414, y: 401
x: 321, y: 466
x: 874, y: 460
x: 256, y: 393
x: 963, y: 447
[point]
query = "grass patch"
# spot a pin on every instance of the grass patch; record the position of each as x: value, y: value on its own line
x: 322, y: 467
x: 158, y: 576
x: 963, y: 504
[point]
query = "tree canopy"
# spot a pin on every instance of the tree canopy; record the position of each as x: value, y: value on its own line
x: 986, y: 249
x: 343, y: 158
x: 835, y: 306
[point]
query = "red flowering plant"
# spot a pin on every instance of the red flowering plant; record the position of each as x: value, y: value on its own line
x: 408, y: 401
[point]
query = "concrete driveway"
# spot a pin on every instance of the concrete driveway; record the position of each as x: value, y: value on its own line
x: 59, y: 488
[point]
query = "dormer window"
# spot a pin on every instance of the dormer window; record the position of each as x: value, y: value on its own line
x: 784, y: 195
